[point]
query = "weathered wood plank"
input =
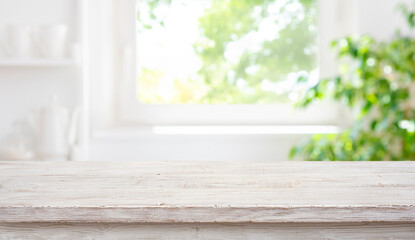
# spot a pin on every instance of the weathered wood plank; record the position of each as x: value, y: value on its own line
x: 210, y: 214
x: 207, y: 231
x: 142, y: 192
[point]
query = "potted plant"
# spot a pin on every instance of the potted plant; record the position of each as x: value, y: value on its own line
x: 377, y: 81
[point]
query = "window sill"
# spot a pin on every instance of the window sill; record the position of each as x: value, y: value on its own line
x: 201, y: 143
x: 215, y: 130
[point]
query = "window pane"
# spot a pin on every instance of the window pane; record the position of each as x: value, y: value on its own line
x: 225, y: 51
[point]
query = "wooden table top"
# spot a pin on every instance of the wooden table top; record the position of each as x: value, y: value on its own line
x: 168, y: 192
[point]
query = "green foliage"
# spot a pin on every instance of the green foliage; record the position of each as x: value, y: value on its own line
x: 376, y: 81
x: 147, y: 17
x: 230, y: 21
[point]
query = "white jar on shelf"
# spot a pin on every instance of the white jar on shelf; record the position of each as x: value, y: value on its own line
x: 51, y: 40
x: 18, y: 41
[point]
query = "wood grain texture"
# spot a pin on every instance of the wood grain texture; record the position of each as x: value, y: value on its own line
x: 89, y: 231
x: 207, y: 192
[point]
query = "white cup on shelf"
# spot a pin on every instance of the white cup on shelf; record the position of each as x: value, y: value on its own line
x: 51, y: 40
x: 18, y: 42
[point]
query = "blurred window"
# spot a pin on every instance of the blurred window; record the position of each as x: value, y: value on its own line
x: 220, y: 62
x: 225, y: 51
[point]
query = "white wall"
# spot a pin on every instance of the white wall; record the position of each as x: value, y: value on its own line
x: 380, y: 18
x: 25, y: 89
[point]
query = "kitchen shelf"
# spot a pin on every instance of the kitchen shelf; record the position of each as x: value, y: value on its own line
x: 37, y: 62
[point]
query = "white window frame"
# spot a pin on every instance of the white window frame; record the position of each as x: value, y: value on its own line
x: 129, y: 111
